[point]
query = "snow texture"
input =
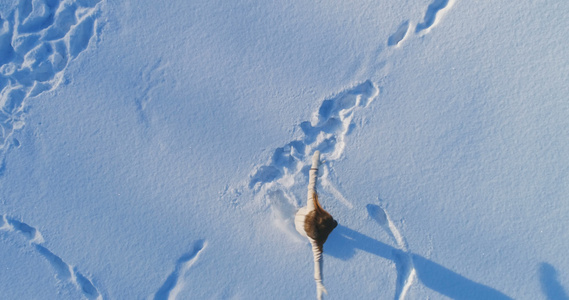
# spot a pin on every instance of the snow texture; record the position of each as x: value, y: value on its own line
x: 160, y: 150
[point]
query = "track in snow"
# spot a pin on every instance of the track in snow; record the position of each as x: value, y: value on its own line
x: 151, y: 77
x: 38, y: 40
x: 326, y: 132
x: 436, y: 10
x: 433, y: 14
x: 395, y: 38
x: 176, y: 280
x: 63, y: 271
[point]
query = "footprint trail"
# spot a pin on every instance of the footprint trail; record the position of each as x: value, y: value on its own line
x: 176, y: 280
x: 63, y: 271
x: 333, y: 120
x: 406, y: 272
x: 38, y: 39
x: 326, y: 132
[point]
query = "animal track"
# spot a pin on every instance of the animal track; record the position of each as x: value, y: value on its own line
x: 175, y: 281
x: 399, y: 34
x: 80, y: 36
x: 151, y: 77
x: 434, y: 13
x: 403, y: 259
x: 325, y: 132
x: 63, y: 270
x: 37, y: 41
x: 27, y: 231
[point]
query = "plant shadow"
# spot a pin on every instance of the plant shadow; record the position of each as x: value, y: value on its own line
x: 343, y: 243
x: 550, y: 285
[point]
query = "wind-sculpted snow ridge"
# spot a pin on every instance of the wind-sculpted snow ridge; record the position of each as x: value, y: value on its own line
x: 326, y: 132
x: 176, y: 280
x: 38, y: 39
x: 64, y: 272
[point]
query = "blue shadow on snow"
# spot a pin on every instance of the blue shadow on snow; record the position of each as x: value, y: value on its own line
x: 550, y: 285
x: 344, y: 241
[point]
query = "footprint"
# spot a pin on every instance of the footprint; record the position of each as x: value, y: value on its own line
x: 13, y: 100
x: 87, y: 287
x: 6, y: 37
x: 25, y: 8
x: 434, y: 13
x: 175, y: 281
x: 378, y: 214
x: 399, y: 34
x: 80, y: 35
x: 63, y: 270
x: 29, y: 232
x: 35, y: 16
x: 59, y: 57
x: 22, y: 44
x: 65, y: 17
x: 150, y: 78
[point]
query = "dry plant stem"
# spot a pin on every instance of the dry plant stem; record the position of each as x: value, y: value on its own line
x: 313, y: 222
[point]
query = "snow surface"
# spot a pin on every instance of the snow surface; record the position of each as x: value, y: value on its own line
x: 159, y: 149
